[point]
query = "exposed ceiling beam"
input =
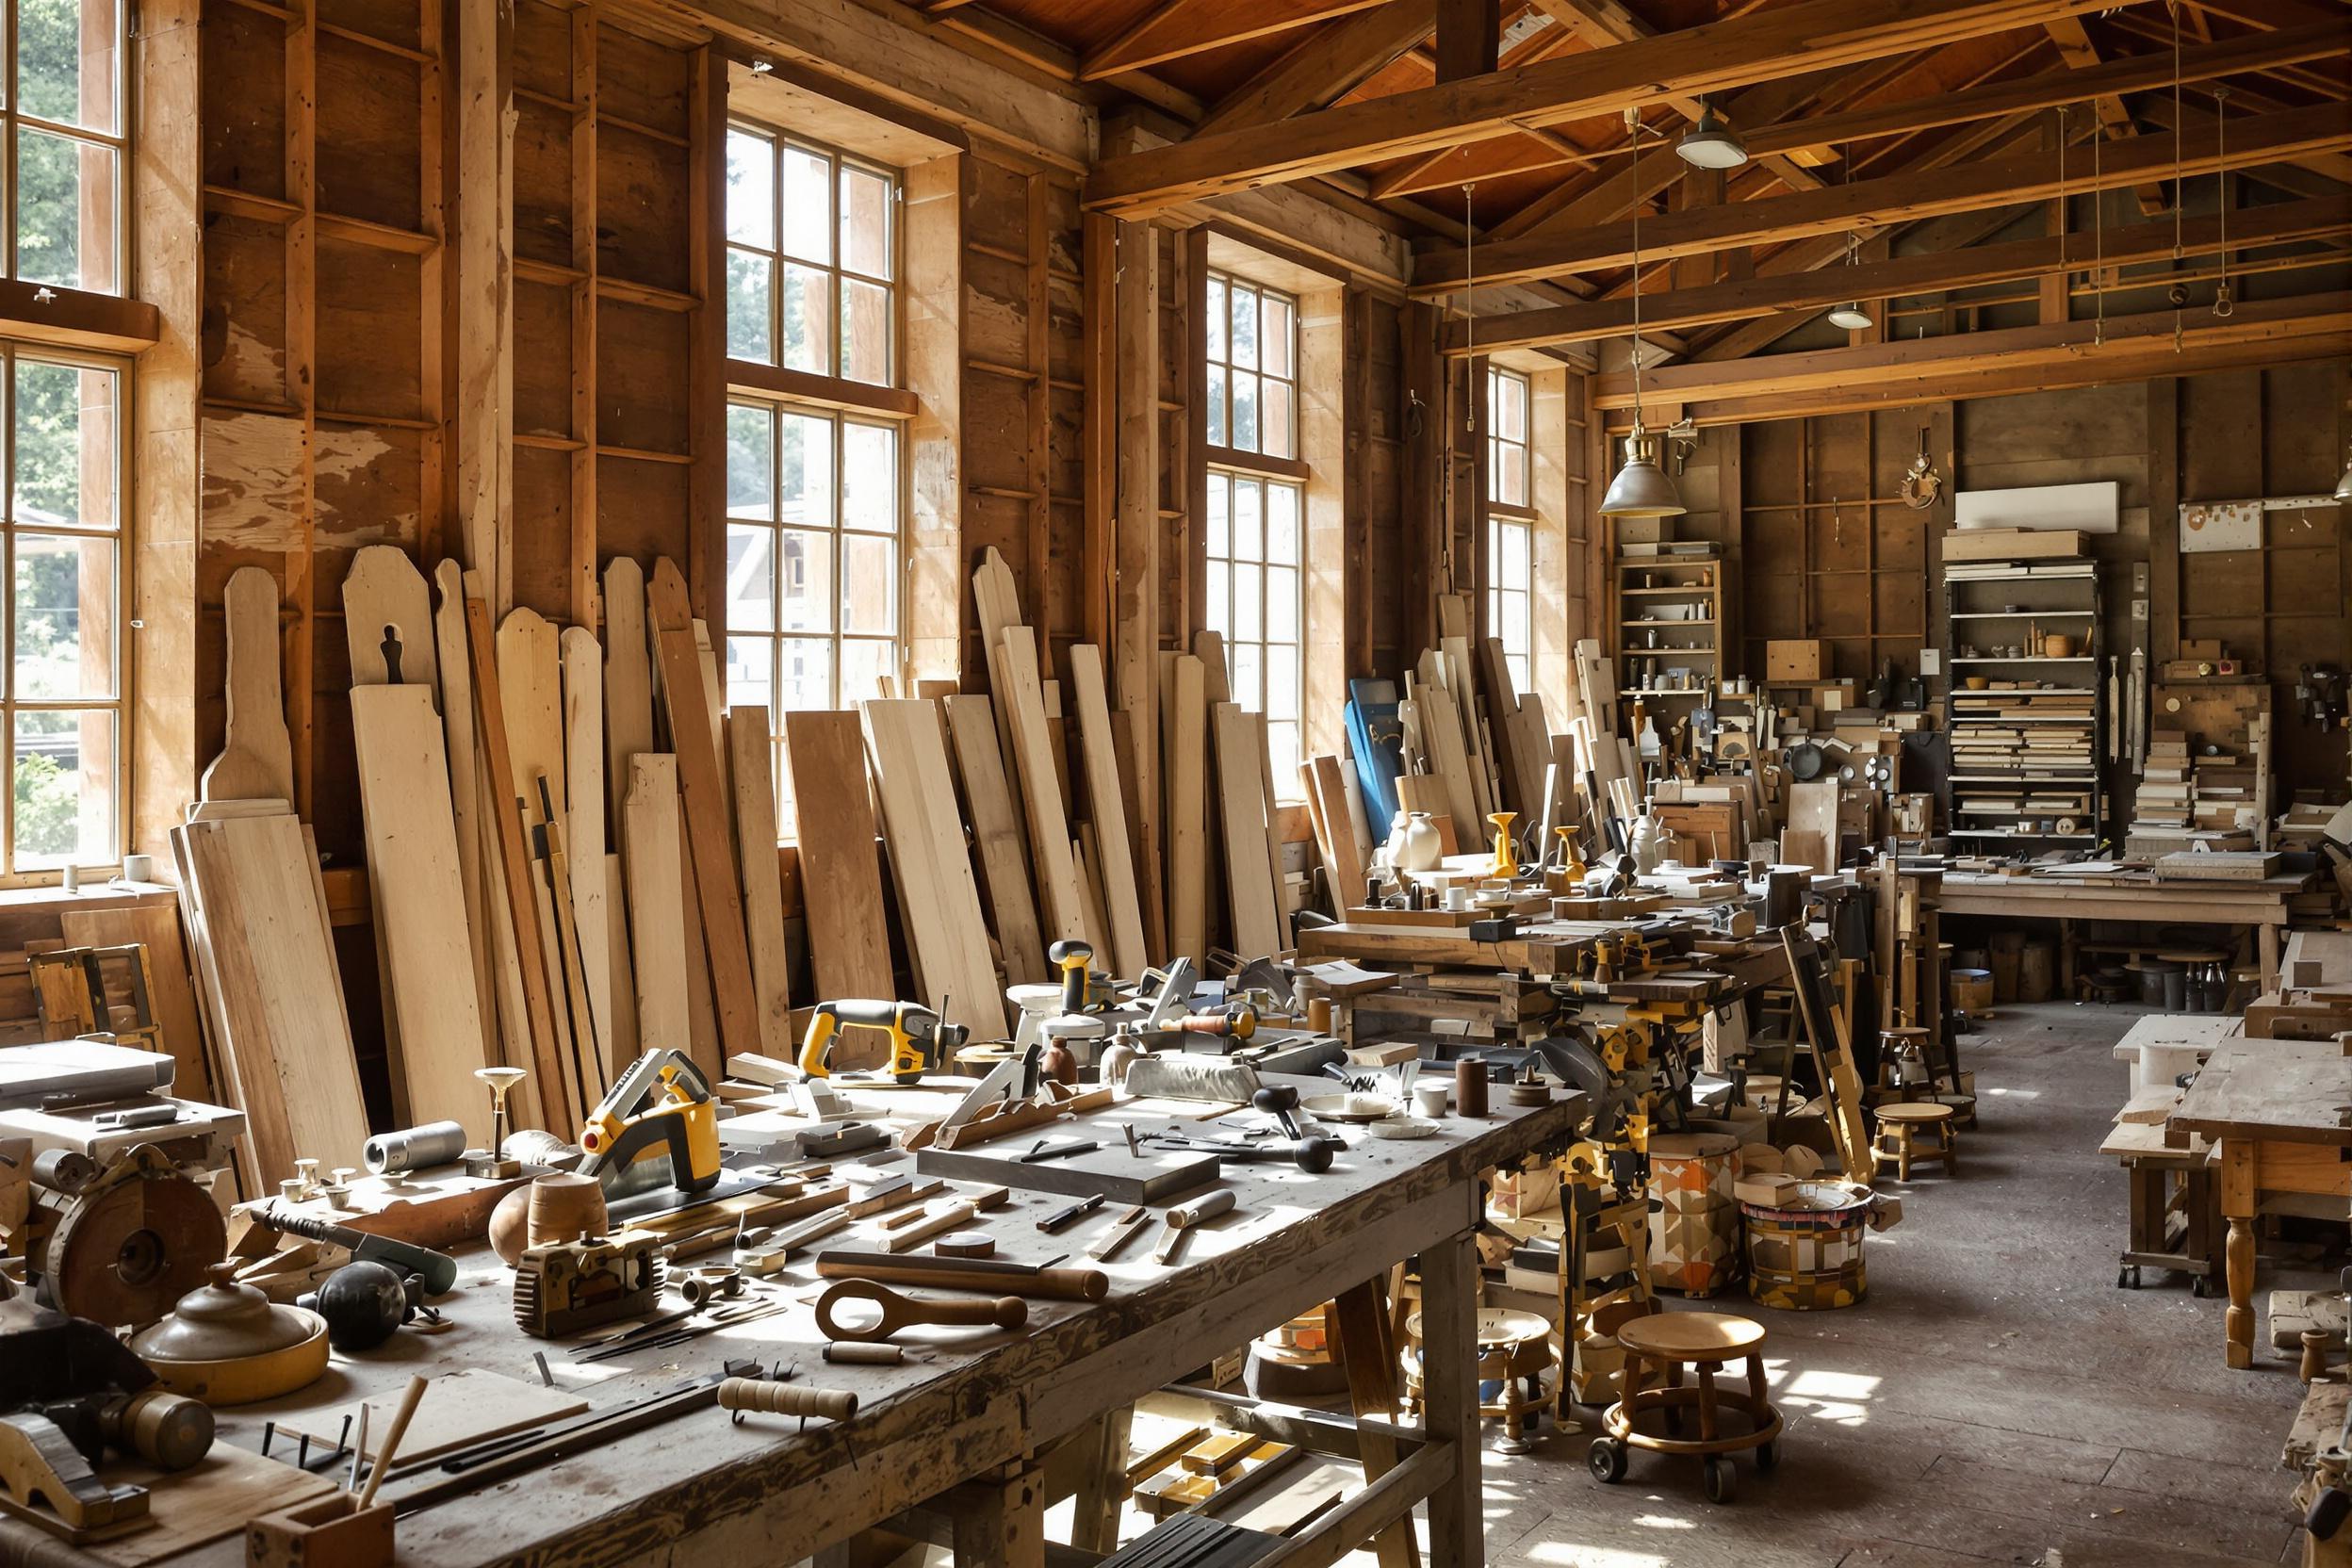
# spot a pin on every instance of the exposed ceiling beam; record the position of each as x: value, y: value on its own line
x: 1766, y: 130
x: 2308, y: 175
x: 1890, y: 199
x: 1809, y: 34
x: 1181, y: 27
x: 1325, y: 67
x: 1980, y: 363
x: 1931, y: 273
x: 1605, y: 23
x: 2115, y: 122
x: 1469, y: 38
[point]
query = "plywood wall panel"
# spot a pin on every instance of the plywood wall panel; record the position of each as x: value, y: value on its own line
x: 639, y: 353
x: 244, y: 102
x: 371, y: 331
x: 370, y: 150
x: 642, y: 198
x: 542, y: 547
x: 543, y: 181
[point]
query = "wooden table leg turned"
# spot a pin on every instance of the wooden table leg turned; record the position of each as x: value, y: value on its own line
x: 2237, y: 1206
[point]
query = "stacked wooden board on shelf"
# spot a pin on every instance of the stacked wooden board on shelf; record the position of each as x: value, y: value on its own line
x: 2025, y: 706
x: 2206, y: 782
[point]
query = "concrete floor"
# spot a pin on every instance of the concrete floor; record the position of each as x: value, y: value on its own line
x: 1994, y: 1400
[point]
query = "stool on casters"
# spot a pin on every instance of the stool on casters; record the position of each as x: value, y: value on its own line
x: 1704, y: 1341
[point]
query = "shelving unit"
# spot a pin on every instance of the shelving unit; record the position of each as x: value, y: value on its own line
x: 2024, y: 748
x: 1667, y: 624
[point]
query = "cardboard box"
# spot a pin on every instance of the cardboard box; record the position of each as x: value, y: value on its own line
x: 1796, y: 659
x: 1644, y: 530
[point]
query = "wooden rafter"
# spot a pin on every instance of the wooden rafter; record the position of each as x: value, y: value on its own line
x: 1181, y: 27
x: 2309, y: 174
x: 2077, y: 49
x: 1888, y: 199
x: 1324, y: 67
x: 1935, y: 272
x: 1809, y: 34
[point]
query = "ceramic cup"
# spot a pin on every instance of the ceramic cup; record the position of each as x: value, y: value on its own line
x: 1430, y: 1100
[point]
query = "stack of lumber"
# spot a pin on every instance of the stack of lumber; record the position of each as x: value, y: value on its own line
x: 2193, y: 796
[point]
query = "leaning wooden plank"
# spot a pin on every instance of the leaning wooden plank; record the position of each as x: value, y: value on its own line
x: 1249, y: 878
x: 1344, y: 851
x: 388, y: 620
x: 530, y: 679
x: 996, y: 606
x: 412, y: 873
x: 840, y: 869
x: 1441, y: 732
x: 628, y: 677
x: 702, y: 790
x: 267, y: 1142
x: 1107, y: 809
x: 455, y: 670
x: 504, y: 812
x: 1041, y: 792
x: 257, y: 761
x: 996, y: 835
x: 751, y: 748
x: 283, y: 996
x: 1184, y: 763
x: 584, y: 822
x: 938, y: 900
x: 657, y: 906
x: 624, y: 1048
x: 1284, y: 903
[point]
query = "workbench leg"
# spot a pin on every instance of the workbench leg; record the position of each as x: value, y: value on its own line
x: 2266, y: 935
x: 1102, y: 1496
x: 1359, y: 1317
x: 1000, y: 1519
x: 1449, y: 1350
x: 2066, y: 945
x: 2237, y: 1206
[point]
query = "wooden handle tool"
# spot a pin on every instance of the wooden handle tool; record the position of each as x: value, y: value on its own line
x: 1121, y: 1232
x: 1047, y: 1285
x: 906, y: 1238
x: 392, y: 1439
x: 766, y: 1397
x: 1186, y: 1215
x: 899, y: 1312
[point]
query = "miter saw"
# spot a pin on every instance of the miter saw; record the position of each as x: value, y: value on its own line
x: 112, y: 1178
x: 653, y: 1142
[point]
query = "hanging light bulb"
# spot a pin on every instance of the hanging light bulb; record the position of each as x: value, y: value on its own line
x: 1849, y: 316
x: 1640, y: 488
x: 1710, y: 144
x: 2344, y: 485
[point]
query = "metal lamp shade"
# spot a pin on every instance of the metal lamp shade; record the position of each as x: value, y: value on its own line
x: 1642, y: 488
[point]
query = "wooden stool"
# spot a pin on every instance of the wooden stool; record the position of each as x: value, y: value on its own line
x: 1515, y: 1357
x: 1894, y: 1145
x: 1704, y: 1341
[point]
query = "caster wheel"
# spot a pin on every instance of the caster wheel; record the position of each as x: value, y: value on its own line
x: 1768, y: 1457
x: 2123, y: 1279
x: 2199, y: 1288
x: 1607, y: 1457
x: 1720, y: 1478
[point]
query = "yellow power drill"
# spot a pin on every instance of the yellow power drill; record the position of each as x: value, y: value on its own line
x: 1073, y: 957
x: 918, y: 1038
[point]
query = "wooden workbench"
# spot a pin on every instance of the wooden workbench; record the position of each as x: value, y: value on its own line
x: 2281, y: 1111
x: 2131, y: 895
x: 968, y: 1424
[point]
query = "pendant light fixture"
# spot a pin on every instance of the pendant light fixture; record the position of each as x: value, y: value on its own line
x: 1640, y: 488
x: 1710, y: 144
x: 1851, y: 316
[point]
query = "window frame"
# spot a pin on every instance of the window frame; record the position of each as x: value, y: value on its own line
x: 1501, y: 516
x: 1220, y: 283
x: 1231, y: 478
x: 841, y: 385
x: 122, y: 704
x: 14, y: 120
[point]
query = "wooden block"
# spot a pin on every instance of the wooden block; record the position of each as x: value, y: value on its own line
x: 702, y: 790
x: 996, y: 835
x: 657, y: 906
x: 1062, y: 901
x: 938, y: 900
x: 1249, y: 878
x: 257, y: 761
x: 420, y: 906
x: 1183, y: 761
x: 840, y: 869
x: 751, y: 753
x: 583, y: 823
x: 1115, y: 857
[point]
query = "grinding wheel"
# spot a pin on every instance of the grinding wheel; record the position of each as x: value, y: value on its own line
x: 126, y: 1249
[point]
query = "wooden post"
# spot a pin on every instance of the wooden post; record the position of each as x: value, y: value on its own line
x: 484, y: 349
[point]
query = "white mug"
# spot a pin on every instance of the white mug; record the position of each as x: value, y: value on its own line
x: 1457, y: 897
x: 1430, y: 1100
x: 138, y: 868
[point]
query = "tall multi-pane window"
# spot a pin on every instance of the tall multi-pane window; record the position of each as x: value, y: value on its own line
x: 1509, y: 522
x: 63, y: 122
x: 1256, y: 601
x: 64, y: 681
x: 812, y: 257
x: 1252, y: 382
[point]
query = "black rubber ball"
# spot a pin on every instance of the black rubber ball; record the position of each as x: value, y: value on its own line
x: 364, y: 1303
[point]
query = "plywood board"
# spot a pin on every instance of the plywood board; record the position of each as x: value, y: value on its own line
x: 459, y: 1410
x: 703, y: 792
x: 384, y: 602
x: 1241, y: 801
x: 420, y: 904
x: 1812, y: 825
x: 1062, y: 902
x: 996, y: 836
x: 657, y: 907
x: 750, y: 753
x: 841, y: 870
x: 1343, y: 846
x: 584, y: 822
x: 257, y: 760
x: 1107, y: 810
x: 938, y: 900
x: 1185, y: 768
